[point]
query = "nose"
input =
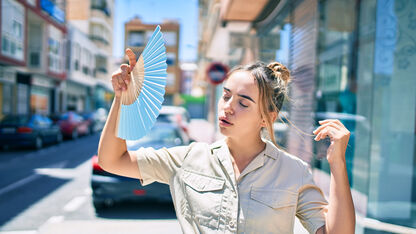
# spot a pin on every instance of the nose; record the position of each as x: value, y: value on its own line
x: 228, y: 106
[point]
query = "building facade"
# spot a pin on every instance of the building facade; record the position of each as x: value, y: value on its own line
x: 353, y: 61
x: 32, y: 56
x: 95, y: 19
x: 136, y: 36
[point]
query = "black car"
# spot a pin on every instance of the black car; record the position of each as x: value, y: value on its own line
x: 109, y: 188
x: 33, y: 130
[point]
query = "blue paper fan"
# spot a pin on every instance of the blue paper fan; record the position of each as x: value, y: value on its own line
x: 142, y: 101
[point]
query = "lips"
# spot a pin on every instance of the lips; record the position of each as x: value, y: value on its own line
x: 224, y: 120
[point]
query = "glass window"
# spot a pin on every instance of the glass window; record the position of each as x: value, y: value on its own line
x: 366, y: 79
x: 12, y: 24
x: 171, y: 59
x: 55, y: 50
x: 136, y: 38
x: 170, y: 38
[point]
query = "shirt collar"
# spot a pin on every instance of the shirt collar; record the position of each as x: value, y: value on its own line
x: 271, y: 150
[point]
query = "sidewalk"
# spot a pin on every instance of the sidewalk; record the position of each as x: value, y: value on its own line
x: 119, y: 227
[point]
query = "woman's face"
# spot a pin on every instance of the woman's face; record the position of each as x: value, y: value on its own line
x: 238, y: 109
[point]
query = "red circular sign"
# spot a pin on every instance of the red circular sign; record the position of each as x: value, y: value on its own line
x: 217, y: 72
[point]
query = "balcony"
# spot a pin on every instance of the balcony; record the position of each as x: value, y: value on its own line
x: 99, y: 38
x: 241, y: 10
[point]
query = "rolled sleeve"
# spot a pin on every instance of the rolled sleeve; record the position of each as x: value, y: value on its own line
x: 312, y: 204
x: 160, y: 165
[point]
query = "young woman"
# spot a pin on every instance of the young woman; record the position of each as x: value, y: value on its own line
x: 244, y: 183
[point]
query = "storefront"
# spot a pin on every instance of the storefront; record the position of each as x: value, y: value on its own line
x: 42, y: 95
x: 7, y: 84
x: 354, y: 61
x: 77, y: 98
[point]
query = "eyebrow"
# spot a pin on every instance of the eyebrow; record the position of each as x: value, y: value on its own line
x: 241, y: 95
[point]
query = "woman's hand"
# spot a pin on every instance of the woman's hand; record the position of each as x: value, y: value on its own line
x: 121, y: 78
x: 339, y: 136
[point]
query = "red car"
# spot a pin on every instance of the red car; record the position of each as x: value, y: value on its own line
x: 73, y: 125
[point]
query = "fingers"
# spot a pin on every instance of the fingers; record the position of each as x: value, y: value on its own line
x: 336, y: 121
x: 329, y: 131
x: 326, y: 125
x: 114, y: 82
x: 132, y: 58
x: 125, y: 73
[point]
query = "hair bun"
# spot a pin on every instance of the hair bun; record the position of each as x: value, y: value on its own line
x: 280, y: 71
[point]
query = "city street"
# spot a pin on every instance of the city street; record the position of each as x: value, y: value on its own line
x: 48, y: 191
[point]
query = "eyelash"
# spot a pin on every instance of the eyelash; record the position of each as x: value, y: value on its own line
x: 226, y: 98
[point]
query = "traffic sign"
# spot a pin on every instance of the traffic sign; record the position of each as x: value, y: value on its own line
x: 217, y: 72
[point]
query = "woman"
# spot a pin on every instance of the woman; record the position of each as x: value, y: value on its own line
x: 243, y: 183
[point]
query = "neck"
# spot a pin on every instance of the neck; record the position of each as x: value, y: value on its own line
x: 245, y: 149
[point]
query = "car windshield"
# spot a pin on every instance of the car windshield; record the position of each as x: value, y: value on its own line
x: 15, y: 120
x: 165, y: 134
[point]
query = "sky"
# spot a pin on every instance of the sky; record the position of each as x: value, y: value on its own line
x: 155, y: 11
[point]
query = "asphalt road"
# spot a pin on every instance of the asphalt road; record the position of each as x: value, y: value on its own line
x: 48, y: 191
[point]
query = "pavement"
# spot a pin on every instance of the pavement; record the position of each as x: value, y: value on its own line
x: 120, y: 226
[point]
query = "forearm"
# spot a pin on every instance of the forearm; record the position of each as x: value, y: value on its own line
x: 110, y: 147
x: 341, y: 213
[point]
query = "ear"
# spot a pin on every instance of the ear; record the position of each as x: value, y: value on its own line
x: 273, y: 117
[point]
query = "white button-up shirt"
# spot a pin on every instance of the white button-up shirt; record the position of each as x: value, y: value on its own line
x: 273, y: 189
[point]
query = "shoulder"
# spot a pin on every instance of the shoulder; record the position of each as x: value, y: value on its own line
x: 287, y: 160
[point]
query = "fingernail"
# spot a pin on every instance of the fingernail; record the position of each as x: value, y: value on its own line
x: 320, y: 121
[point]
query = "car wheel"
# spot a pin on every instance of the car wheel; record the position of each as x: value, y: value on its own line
x: 74, y: 134
x: 38, y: 143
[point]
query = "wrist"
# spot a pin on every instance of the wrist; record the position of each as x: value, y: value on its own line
x: 337, y: 163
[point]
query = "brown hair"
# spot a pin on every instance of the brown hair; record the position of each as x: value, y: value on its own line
x: 272, y: 81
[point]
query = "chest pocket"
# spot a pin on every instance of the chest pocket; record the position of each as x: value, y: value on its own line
x: 271, y: 210
x: 204, y: 196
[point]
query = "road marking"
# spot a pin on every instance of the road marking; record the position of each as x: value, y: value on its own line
x: 20, y: 232
x: 55, y: 219
x: 18, y: 183
x: 88, y: 191
x: 75, y: 203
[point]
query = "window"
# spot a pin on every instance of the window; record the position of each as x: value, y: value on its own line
x: 170, y: 38
x: 171, y: 59
x: 136, y: 39
x: 100, y: 5
x: 76, y: 53
x: 55, y: 50
x: 99, y: 33
x: 101, y: 63
x: 35, y: 44
x: 12, y: 24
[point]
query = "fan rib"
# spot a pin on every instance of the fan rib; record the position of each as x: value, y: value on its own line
x: 161, y: 94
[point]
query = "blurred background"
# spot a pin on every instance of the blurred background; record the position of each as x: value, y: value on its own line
x: 350, y: 60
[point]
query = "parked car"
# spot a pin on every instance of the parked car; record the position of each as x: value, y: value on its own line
x: 33, y: 130
x: 96, y: 119
x: 176, y: 114
x: 73, y: 125
x: 109, y: 188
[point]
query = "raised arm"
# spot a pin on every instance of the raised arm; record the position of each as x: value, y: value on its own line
x: 341, y: 214
x: 112, y: 151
